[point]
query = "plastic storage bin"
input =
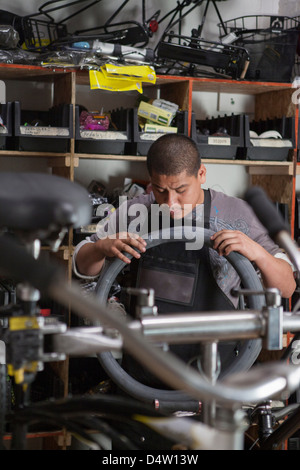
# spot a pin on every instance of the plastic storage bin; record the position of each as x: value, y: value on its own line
x: 219, y: 137
x: 269, y: 148
x: 143, y: 140
x: 43, y: 131
x: 114, y: 141
x: 271, y: 42
x: 6, y: 124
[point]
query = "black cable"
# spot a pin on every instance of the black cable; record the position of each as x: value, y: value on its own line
x: 106, y: 405
x: 83, y: 414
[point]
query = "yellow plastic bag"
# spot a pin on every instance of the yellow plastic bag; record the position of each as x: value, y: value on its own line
x: 121, y: 78
x: 143, y: 73
x: 99, y: 80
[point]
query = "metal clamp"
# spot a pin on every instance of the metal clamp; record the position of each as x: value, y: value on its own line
x: 272, y: 315
x: 145, y: 301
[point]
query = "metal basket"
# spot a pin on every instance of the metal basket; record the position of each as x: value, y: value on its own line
x: 174, y: 51
x: 39, y: 34
x: 271, y: 42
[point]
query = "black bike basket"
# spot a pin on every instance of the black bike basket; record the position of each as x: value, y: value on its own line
x: 271, y: 42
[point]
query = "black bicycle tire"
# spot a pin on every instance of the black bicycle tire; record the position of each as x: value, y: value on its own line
x: 247, y: 354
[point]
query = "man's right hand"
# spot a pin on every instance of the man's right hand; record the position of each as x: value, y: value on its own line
x: 114, y: 247
x: 91, y: 256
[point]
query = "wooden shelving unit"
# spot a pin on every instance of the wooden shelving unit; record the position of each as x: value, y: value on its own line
x: 271, y: 100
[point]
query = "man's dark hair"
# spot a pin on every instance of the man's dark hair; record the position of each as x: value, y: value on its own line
x: 172, y: 154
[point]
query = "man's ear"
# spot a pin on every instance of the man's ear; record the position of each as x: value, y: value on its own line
x: 202, y: 174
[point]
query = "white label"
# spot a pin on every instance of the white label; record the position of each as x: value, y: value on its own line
x: 219, y: 141
x: 102, y: 135
x: 42, y: 131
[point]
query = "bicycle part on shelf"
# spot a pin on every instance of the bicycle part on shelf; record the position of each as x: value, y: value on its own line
x: 40, y: 30
x: 221, y: 58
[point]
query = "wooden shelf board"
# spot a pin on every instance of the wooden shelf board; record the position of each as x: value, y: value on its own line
x: 227, y: 86
x: 216, y: 85
x: 22, y: 72
x: 248, y: 162
x: 235, y: 86
x: 25, y: 153
x: 258, y: 167
x: 131, y: 158
x: 280, y: 167
x: 64, y: 159
x: 38, y: 434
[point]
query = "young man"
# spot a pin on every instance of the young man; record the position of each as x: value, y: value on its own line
x: 183, y: 279
x: 177, y: 176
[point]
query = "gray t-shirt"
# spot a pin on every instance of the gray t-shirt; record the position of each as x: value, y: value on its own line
x: 226, y: 213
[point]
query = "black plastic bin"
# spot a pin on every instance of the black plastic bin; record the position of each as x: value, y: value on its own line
x: 143, y: 140
x: 6, y: 124
x: 43, y: 131
x: 114, y: 141
x: 271, y: 42
x: 219, y: 137
x: 272, y: 152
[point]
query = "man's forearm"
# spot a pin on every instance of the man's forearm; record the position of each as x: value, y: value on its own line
x: 89, y: 259
x: 278, y: 273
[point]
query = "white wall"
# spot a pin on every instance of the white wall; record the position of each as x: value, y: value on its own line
x: 231, y: 179
x: 289, y: 8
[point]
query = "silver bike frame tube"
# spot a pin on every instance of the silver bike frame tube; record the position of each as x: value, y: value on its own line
x: 255, y: 385
x: 204, y: 326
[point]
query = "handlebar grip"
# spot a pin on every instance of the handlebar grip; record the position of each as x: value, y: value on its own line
x: 265, y: 211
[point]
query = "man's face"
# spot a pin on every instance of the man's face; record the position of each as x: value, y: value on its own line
x: 180, y: 192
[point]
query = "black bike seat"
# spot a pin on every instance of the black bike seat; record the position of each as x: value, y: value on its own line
x: 35, y: 201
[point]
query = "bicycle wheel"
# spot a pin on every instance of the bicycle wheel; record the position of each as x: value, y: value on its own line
x: 231, y: 363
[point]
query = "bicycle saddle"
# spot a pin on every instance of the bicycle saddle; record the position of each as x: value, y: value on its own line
x: 41, y: 202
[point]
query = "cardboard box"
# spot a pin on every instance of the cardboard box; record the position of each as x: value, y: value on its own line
x: 159, y: 115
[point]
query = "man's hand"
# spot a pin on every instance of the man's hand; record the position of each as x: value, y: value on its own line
x: 120, y: 243
x: 275, y: 272
x: 226, y: 241
x: 91, y: 256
